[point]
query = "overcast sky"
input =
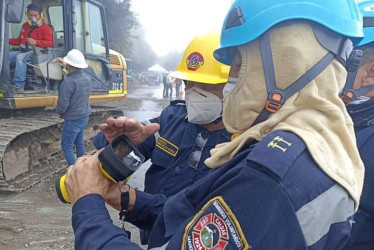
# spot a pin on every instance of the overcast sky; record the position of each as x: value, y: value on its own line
x: 171, y: 24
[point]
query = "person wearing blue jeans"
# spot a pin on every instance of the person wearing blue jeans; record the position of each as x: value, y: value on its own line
x: 35, y: 33
x: 72, y: 134
x: 73, y: 104
x: 18, y: 59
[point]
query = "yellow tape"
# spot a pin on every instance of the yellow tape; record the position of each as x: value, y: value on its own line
x: 167, y: 146
x: 116, y: 91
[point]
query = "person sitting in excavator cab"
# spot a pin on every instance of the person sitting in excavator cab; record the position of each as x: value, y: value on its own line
x: 35, y: 33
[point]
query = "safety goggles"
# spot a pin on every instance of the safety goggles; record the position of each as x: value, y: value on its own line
x: 195, y: 157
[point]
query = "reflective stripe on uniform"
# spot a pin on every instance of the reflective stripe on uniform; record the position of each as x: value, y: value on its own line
x: 157, y: 134
x: 316, y: 217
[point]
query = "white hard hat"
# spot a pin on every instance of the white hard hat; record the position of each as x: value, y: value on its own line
x: 76, y: 59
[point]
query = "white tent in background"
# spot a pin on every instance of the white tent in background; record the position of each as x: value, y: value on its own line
x: 155, y: 74
x: 157, y: 68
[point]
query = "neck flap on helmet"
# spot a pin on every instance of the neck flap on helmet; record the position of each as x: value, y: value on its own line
x: 339, y: 48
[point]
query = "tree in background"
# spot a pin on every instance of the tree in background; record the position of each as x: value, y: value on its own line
x: 120, y: 21
x: 126, y: 34
x: 127, y: 37
x: 171, y: 60
x: 143, y: 56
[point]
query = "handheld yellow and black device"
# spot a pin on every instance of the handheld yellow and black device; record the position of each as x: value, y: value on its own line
x: 118, y: 160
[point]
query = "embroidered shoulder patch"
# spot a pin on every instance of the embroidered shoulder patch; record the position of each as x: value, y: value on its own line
x: 214, y: 227
x: 167, y: 146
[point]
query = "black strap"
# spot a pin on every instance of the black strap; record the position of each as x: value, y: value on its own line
x: 267, y: 62
x: 32, y: 28
x: 125, y: 199
x: 273, y: 105
x: 348, y: 94
x: 309, y: 75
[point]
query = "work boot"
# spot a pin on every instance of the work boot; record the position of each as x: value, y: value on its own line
x: 18, y: 89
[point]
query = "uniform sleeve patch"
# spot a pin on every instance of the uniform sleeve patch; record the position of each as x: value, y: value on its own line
x: 214, y: 227
x: 167, y: 146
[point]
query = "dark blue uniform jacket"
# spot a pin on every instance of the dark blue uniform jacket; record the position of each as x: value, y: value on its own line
x: 362, y: 236
x: 272, y: 195
x: 170, y: 149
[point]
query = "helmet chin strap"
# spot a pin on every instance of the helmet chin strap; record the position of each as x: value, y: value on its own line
x: 339, y: 47
x: 348, y: 94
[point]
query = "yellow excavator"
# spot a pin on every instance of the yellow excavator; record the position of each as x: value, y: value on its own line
x: 29, y: 128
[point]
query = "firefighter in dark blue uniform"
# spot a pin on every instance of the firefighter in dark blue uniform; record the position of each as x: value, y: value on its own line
x: 361, y: 109
x: 170, y: 150
x: 280, y: 184
x: 188, y: 131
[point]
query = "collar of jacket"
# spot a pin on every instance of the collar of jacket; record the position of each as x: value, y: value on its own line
x: 362, y: 114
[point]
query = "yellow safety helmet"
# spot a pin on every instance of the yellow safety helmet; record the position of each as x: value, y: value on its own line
x: 198, y: 63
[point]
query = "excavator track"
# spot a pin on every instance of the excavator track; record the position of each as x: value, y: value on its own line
x: 30, y: 150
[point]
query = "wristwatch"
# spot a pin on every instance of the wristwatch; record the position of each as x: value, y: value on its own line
x: 125, y: 198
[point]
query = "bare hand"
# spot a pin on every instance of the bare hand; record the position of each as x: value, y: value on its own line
x: 31, y: 41
x: 85, y: 178
x: 133, y: 129
x: 60, y: 61
x: 113, y: 196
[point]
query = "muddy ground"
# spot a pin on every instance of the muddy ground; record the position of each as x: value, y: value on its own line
x: 36, y: 219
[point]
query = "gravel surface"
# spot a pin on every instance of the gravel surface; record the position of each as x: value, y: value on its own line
x: 36, y: 219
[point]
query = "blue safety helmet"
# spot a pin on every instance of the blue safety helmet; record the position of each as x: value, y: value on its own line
x: 366, y: 8
x: 248, y: 20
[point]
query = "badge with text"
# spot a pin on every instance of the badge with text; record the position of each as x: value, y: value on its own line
x: 167, y: 146
x: 214, y: 227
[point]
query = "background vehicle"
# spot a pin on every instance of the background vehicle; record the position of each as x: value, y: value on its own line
x: 155, y: 74
x: 29, y: 133
x: 153, y: 78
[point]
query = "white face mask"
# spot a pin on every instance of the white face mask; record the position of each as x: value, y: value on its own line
x: 230, y: 85
x: 34, y: 21
x: 203, y: 107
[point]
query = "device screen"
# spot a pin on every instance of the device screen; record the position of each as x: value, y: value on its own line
x: 126, y: 153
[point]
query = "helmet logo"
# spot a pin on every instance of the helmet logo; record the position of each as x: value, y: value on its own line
x: 369, y: 8
x: 194, y: 61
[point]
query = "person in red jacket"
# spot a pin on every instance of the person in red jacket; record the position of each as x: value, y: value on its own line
x: 34, y: 33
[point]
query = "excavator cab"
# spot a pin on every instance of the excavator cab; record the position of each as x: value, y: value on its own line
x: 78, y: 24
x: 30, y: 133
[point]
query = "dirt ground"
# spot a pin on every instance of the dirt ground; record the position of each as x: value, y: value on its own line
x: 36, y: 219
